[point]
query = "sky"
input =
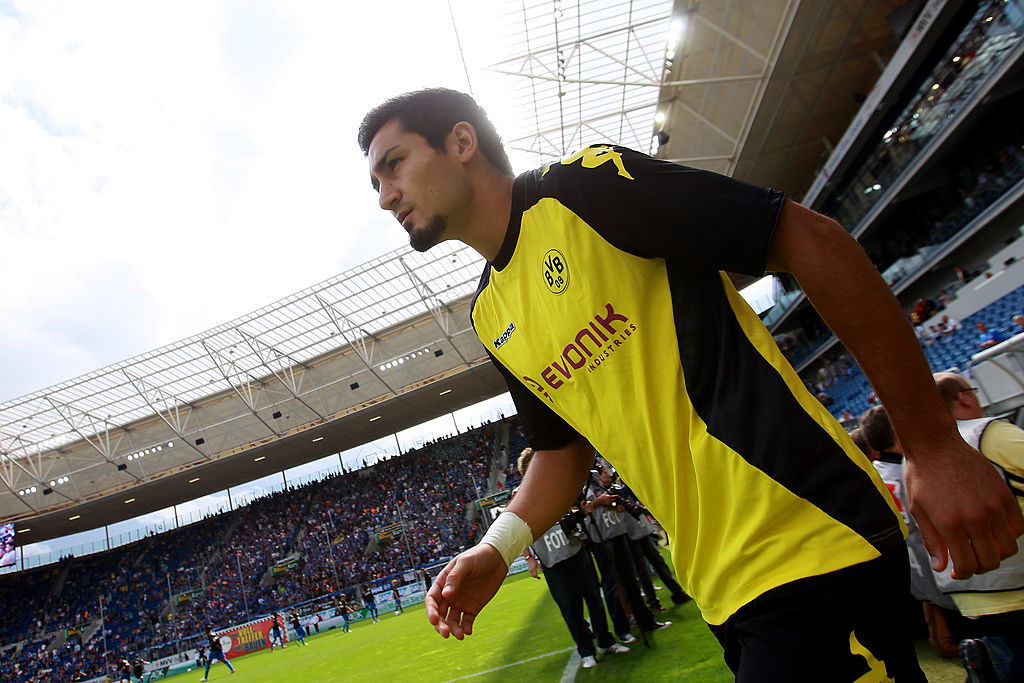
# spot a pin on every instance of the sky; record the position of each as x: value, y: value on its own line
x: 167, y: 167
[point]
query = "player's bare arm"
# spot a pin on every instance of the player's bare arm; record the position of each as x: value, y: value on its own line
x: 956, y: 496
x: 470, y: 580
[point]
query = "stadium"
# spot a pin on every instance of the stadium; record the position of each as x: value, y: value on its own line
x: 326, y: 455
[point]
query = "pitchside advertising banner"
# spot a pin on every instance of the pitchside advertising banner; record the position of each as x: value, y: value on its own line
x: 250, y: 637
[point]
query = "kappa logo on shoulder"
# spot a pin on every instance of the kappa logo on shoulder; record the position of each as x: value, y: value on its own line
x: 556, y: 271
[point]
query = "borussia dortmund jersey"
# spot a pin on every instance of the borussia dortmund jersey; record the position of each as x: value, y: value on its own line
x: 608, y: 312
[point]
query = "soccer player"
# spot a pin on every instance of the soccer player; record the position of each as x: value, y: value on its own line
x: 300, y: 630
x: 216, y: 652
x: 344, y: 609
x: 606, y: 304
x: 124, y: 671
x: 138, y: 667
x: 370, y: 602
x: 277, y: 631
x: 397, y: 597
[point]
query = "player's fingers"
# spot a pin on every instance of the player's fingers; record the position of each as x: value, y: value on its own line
x: 987, y: 530
x: 1005, y: 536
x: 933, y: 542
x: 986, y: 551
x: 454, y: 627
x: 1014, y: 516
x: 434, y: 609
x: 961, y: 554
x: 436, y: 604
x: 467, y: 623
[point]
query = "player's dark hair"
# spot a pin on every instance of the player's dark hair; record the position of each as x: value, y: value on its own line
x: 433, y: 113
x: 878, y: 429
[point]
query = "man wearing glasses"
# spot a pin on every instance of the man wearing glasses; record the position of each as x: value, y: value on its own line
x: 995, y: 600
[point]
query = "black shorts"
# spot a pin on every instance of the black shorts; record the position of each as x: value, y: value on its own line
x: 840, y: 627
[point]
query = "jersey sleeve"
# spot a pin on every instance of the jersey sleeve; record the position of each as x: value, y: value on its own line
x: 654, y: 208
x: 545, y: 429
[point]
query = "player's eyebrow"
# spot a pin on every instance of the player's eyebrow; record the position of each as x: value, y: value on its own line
x: 379, y: 166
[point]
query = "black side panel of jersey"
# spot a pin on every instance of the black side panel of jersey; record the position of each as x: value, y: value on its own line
x: 801, y: 455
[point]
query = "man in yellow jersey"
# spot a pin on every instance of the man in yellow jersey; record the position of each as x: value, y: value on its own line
x: 994, y: 601
x: 606, y: 305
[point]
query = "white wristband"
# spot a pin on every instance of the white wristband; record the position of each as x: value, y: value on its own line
x: 509, y: 535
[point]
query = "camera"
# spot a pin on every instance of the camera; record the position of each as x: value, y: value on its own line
x: 628, y: 501
x: 572, y: 522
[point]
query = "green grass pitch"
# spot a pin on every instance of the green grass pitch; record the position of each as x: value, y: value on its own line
x: 519, y: 636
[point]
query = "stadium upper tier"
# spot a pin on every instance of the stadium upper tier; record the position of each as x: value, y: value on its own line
x: 349, y: 360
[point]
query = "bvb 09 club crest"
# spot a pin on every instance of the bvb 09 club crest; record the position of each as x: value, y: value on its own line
x: 556, y: 271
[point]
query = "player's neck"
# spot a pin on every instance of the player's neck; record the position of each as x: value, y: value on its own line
x: 486, y: 221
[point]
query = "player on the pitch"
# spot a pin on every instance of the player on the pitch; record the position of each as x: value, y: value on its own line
x: 300, y: 631
x: 216, y: 652
x: 277, y: 631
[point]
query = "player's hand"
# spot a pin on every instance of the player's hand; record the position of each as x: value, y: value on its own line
x: 462, y: 589
x: 964, y: 509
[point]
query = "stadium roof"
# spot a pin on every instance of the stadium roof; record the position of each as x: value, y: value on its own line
x: 739, y: 86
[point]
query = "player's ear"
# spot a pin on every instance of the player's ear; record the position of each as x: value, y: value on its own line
x: 463, y: 141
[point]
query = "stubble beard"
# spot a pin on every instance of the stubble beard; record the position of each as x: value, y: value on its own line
x: 426, y: 237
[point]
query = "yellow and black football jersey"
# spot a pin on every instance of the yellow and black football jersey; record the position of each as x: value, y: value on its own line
x: 608, y: 312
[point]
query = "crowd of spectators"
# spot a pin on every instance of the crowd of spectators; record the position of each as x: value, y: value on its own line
x: 427, y: 490
x: 220, y: 569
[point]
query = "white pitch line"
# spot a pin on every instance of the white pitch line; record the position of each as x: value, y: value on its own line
x: 507, y: 666
x: 571, y: 668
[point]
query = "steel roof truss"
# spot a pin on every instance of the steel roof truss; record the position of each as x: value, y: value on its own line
x: 363, y: 348
x: 7, y: 464
x: 241, y: 382
x: 96, y: 436
x: 281, y: 366
x: 169, y: 408
x: 440, y: 311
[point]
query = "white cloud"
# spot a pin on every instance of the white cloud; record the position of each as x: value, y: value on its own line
x: 169, y: 167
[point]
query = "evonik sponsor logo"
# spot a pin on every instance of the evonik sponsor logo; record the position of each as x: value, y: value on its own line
x: 590, y: 347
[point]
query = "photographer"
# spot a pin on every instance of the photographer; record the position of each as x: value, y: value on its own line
x: 606, y: 527
x: 644, y: 548
x: 571, y: 579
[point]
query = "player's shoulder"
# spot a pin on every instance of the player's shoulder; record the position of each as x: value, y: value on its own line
x: 606, y: 162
